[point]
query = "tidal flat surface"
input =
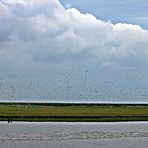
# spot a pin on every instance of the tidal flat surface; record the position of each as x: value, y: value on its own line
x: 73, y: 135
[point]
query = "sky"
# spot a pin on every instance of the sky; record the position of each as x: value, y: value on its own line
x: 74, y: 51
x: 124, y: 11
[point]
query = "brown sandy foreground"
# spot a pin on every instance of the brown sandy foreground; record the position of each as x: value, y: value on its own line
x: 73, y: 112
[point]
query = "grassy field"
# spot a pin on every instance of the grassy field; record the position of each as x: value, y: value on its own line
x: 81, y: 112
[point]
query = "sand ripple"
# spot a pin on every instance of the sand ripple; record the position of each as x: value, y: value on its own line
x: 67, y: 136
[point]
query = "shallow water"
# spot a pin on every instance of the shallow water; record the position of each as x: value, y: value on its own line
x: 74, y: 135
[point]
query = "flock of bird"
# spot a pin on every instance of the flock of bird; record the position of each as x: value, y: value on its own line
x: 77, y: 85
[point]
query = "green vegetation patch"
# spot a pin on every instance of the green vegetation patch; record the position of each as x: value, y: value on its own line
x: 134, y: 113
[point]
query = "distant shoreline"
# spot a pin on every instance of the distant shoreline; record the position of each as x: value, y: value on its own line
x: 71, y: 104
x: 72, y: 112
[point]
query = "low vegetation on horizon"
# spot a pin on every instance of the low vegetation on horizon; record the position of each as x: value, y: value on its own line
x: 73, y: 112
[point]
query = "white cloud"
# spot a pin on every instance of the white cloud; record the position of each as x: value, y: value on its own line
x: 37, y: 33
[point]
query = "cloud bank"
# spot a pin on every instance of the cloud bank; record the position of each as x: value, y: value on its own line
x: 36, y: 34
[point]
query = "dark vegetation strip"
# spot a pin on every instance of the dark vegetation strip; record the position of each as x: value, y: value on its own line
x: 76, y: 119
x: 44, y: 117
x: 74, y: 104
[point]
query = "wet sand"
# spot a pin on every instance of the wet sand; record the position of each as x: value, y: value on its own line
x: 69, y: 135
